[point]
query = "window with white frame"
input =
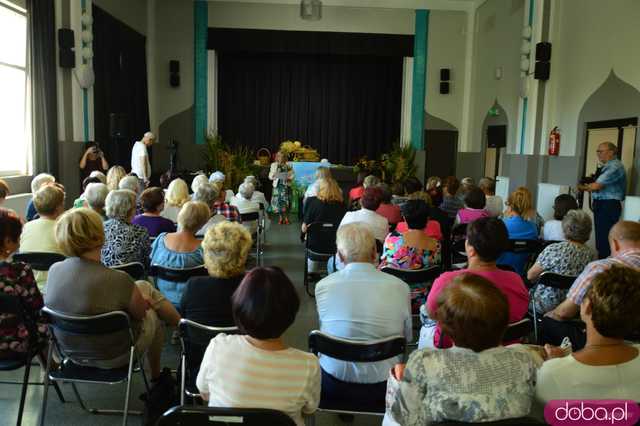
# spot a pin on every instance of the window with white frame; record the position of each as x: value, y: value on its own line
x: 14, y: 134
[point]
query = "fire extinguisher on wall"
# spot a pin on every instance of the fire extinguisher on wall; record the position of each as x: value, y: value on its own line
x: 554, y: 141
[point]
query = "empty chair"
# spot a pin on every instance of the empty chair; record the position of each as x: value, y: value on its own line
x: 320, y: 246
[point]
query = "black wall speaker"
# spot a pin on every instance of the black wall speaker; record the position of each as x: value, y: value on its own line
x: 543, y: 51
x: 444, y: 87
x: 497, y: 136
x: 66, y: 52
x: 542, y: 70
x: 118, y: 125
x: 445, y: 74
x: 174, y: 73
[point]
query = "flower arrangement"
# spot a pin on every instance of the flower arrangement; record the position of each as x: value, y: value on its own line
x: 235, y: 163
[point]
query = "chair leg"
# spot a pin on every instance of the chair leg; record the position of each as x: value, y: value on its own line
x: 80, y: 400
x: 23, y: 394
x: 43, y: 411
x: 128, y: 391
x: 535, y: 321
x: 183, y: 370
x: 59, y: 392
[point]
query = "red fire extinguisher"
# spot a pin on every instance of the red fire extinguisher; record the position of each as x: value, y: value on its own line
x: 554, y: 142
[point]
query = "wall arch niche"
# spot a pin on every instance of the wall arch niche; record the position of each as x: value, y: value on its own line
x: 492, y: 157
x: 614, y: 100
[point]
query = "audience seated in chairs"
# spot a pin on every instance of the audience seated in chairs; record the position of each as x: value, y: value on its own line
x: 38, y: 234
x: 607, y: 367
x: 624, y: 239
x: 80, y: 201
x: 40, y: 180
x: 494, y: 203
x: 81, y: 285
x: 95, y: 198
x: 519, y: 228
x: 206, y: 300
x: 412, y: 249
x: 370, y: 181
x: 486, y: 239
x: 243, y: 202
x: 196, y: 183
x: 552, y: 230
x: 208, y: 194
x: 356, y: 192
x: 124, y: 241
x: 17, y: 278
x: 434, y: 189
x: 386, y: 209
x: 174, y: 198
x: 415, y: 190
x: 478, y: 380
x: 321, y: 173
x: 114, y: 176
x: 326, y: 207
x: 258, y: 369
x: 257, y: 196
x: 181, y: 249
x: 152, y: 203
x: 474, y: 206
x: 450, y: 203
x: 567, y: 258
x: 221, y: 207
x: 218, y: 178
x: 360, y: 302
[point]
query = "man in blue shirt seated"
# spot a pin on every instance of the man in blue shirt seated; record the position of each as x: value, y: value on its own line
x: 608, y: 193
x: 361, y: 303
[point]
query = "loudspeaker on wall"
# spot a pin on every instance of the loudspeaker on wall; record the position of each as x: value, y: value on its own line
x: 174, y: 73
x: 66, y: 48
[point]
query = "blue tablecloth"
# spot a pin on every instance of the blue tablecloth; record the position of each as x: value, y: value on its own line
x: 305, y: 172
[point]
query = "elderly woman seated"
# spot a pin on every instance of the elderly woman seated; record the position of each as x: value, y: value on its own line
x: 208, y: 194
x: 207, y: 299
x: 41, y: 180
x: 132, y: 183
x: 180, y: 249
x: 95, y: 198
x: 552, y: 230
x: 218, y: 178
x: 243, y: 202
x: 608, y: 367
x: 412, y: 249
x: 174, y: 198
x: 257, y: 196
x: 17, y: 278
x: 81, y: 285
x: 257, y: 368
x: 38, y: 235
x: 152, y: 202
x: 124, y: 241
x: 196, y: 183
x: 565, y: 258
x: 477, y: 380
x: 80, y: 201
x: 519, y: 227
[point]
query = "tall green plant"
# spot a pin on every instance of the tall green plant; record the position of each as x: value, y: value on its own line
x: 235, y: 163
x: 399, y: 164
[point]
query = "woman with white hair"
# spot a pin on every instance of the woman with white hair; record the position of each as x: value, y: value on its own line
x: 257, y: 196
x: 180, y: 249
x: 175, y: 197
x: 124, y: 242
x: 196, y: 183
x: 219, y: 177
x: 95, y: 197
x: 98, y: 174
x: 244, y: 204
x: 38, y: 182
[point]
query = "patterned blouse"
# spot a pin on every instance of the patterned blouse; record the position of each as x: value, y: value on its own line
x: 461, y: 385
x: 125, y: 243
x: 563, y: 258
x: 398, y: 254
x: 17, y: 279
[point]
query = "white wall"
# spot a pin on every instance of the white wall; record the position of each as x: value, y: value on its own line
x: 590, y: 38
x: 447, y: 35
x: 287, y: 17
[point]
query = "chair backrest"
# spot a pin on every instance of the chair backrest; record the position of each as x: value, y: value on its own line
x: 525, y: 246
x: 505, y: 267
x: 562, y: 282
x: 175, y: 274
x: 414, y: 276
x: 518, y: 330
x: 195, y: 338
x: 321, y: 238
x: 134, y: 269
x: 213, y: 416
x: 40, y: 261
x: 459, y: 231
x: 356, y: 350
x: 250, y: 217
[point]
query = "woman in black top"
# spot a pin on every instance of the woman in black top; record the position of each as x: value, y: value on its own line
x: 327, y: 207
x: 92, y: 160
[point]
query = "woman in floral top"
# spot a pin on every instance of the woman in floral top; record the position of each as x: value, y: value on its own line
x: 281, y: 174
x: 412, y: 249
x: 564, y: 258
x: 16, y: 278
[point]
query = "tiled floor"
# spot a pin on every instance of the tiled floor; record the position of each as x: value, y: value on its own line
x: 284, y: 249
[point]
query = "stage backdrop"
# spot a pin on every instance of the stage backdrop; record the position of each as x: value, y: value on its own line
x: 339, y: 93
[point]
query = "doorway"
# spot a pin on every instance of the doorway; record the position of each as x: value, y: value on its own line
x: 441, y: 152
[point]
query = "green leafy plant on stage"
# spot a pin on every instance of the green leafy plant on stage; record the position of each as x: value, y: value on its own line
x: 235, y: 163
x: 394, y: 166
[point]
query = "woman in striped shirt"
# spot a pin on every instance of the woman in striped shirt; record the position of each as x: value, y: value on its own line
x: 257, y: 369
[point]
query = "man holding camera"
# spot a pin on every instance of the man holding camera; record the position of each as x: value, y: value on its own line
x: 608, y: 192
x: 92, y: 160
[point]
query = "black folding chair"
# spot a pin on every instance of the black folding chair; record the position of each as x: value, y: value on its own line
x: 194, y: 339
x: 39, y: 260
x: 12, y: 305
x: 518, y: 330
x: 248, y: 218
x: 456, y: 244
x: 531, y: 248
x: 414, y: 276
x: 75, y: 372
x: 354, y: 351
x: 320, y: 246
x: 134, y: 269
x: 549, y: 279
x: 210, y: 416
x: 177, y: 275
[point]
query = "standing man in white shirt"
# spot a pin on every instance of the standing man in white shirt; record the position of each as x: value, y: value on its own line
x: 140, y: 164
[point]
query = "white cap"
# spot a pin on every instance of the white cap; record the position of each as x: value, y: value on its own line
x: 217, y: 176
